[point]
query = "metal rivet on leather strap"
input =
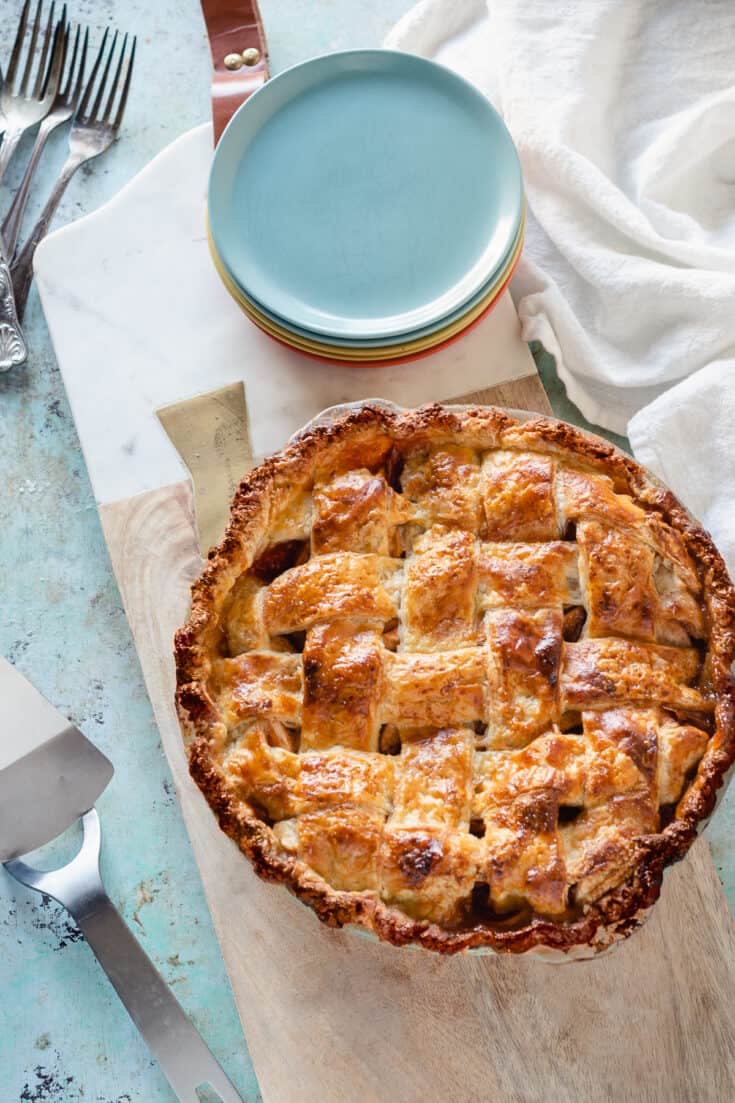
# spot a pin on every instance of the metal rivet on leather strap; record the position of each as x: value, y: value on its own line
x: 233, y: 61
x: 251, y: 56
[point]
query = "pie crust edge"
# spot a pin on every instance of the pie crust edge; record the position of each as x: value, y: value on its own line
x: 620, y: 910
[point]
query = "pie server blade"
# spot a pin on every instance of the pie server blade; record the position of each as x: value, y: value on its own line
x: 49, y: 772
x: 50, y: 776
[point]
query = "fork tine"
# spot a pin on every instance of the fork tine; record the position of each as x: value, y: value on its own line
x: 82, y: 66
x: 115, y: 81
x: 41, y: 71
x: 126, y: 87
x: 69, y: 69
x: 94, y: 110
x: 17, y: 45
x: 58, y: 58
x: 90, y: 83
x: 23, y: 90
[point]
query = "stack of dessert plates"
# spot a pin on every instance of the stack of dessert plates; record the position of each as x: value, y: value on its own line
x: 366, y: 207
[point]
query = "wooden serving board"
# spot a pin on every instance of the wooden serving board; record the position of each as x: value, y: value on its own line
x: 329, y: 1016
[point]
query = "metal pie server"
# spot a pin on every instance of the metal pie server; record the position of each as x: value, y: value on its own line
x: 50, y: 776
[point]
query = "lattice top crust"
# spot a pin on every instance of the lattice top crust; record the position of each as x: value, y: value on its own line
x: 461, y: 680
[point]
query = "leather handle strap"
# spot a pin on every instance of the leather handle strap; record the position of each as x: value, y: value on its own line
x: 239, y: 55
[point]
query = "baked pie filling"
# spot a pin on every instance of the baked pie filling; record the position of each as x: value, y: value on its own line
x: 461, y: 680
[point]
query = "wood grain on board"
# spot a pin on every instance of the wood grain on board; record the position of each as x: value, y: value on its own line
x: 332, y: 1017
x: 517, y: 394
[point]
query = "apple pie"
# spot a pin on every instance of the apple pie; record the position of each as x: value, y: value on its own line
x: 461, y: 680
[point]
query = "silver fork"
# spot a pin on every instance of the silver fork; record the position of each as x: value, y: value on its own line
x: 61, y: 111
x: 92, y: 132
x: 19, y: 108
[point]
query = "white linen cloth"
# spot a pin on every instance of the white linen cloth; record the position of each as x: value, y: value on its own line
x: 624, y: 118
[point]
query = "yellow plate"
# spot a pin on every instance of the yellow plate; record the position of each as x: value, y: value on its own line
x: 387, y: 352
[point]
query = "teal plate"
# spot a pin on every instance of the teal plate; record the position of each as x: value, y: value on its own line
x: 380, y: 343
x: 364, y: 194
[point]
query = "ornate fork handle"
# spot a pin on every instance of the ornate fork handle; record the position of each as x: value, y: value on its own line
x: 11, y: 138
x: 13, y: 351
x: 22, y: 267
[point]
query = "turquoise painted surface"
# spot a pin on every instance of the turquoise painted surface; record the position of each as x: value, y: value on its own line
x: 64, y: 1037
